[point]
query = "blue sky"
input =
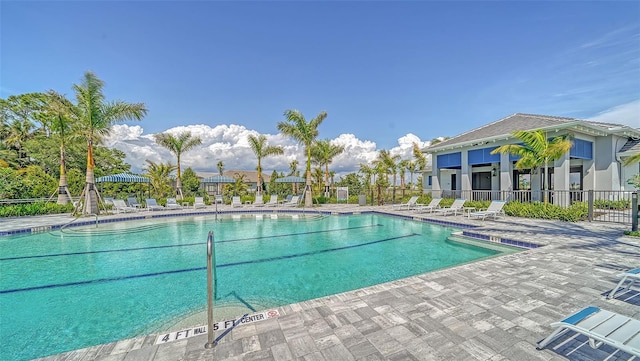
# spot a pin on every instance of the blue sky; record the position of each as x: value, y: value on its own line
x: 381, y: 70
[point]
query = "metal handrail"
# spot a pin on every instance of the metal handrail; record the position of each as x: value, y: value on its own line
x: 75, y: 219
x: 211, y: 279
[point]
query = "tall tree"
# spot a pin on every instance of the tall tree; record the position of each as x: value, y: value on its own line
x: 220, y: 171
x: 387, y: 163
x: 323, y: 152
x: 536, y: 151
x: 96, y: 116
x: 297, y: 127
x: 403, y: 165
x: 367, y: 173
x: 293, y: 166
x: 61, y: 121
x: 261, y: 149
x: 411, y: 167
x: 178, y: 144
x: 420, y: 161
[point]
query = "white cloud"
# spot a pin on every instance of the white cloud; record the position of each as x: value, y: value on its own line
x: 626, y: 114
x: 228, y: 143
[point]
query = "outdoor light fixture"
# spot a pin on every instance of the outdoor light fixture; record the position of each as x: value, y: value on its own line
x: 493, y: 172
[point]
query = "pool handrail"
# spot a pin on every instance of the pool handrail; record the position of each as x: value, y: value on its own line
x: 211, y: 279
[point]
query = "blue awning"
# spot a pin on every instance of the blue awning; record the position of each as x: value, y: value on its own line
x: 123, y: 178
x: 291, y: 179
x: 218, y: 179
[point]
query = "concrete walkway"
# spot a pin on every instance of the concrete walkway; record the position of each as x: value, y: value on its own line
x: 495, y: 309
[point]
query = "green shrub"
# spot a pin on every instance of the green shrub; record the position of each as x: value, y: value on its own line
x: 34, y: 209
x: 606, y: 204
x: 632, y: 233
x: 576, y: 212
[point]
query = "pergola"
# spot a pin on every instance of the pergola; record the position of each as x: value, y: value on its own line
x: 291, y: 179
x: 125, y: 178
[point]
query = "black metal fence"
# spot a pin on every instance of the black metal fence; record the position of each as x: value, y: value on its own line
x: 604, y: 206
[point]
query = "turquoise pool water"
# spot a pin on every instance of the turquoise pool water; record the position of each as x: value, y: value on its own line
x: 66, y: 290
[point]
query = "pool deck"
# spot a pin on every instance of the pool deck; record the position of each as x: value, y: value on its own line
x: 495, y: 309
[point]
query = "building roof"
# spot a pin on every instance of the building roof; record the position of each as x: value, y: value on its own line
x: 502, y: 129
x: 632, y: 146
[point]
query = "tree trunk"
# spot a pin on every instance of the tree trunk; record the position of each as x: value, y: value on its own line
x: 308, y: 200
x: 64, y: 197
x: 90, y: 192
x: 179, y: 195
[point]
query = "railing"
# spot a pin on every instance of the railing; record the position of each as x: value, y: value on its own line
x: 211, y: 279
x: 604, y: 206
x: 4, y: 202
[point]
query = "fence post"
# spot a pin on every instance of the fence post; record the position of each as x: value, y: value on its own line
x: 590, y: 204
x: 634, y: 211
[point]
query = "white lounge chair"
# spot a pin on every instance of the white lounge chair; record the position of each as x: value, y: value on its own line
x: 172, y: 203
x: 258, y: 202
x: 133, y: 202
x: 494, y: 210
x: 632, y: 276
x: 152, y: 205
x: 293, y: 202
x: 456, y: 206
x: 121, y: 207
x: 410, y: 204
x: 434, y: 204
x: 218, y: 199
x: 199, y: 203
x: 601, y: 327
x: 273, y: 201
x: 235, y: 202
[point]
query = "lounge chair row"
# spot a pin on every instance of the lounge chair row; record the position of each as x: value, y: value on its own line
x: 494, y: 210
x: 273, y: 201
x: 151, y: 204
x: 602, y: 326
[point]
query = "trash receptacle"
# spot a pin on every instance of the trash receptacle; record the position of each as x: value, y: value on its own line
x: 362, y: 200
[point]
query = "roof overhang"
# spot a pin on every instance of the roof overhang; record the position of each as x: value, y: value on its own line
x: 578, y: 126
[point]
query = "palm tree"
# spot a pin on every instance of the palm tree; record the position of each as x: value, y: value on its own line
x: 260, y: 148
x: 412, y: 168
x: 402, y: 169
x: 632, y: 159
x: 420, y: 161
x: 387, y: 163
x: 367, y: 172
x: 239, y: 187
x: 220, y: 167
x: 323, y: 153
x: 96, y: 116
x: 305, y: 133
x: 177, y: 145
x: 61, y: 122
x: 160, y: 177
x: 294, y: 172
x: 536, y: 151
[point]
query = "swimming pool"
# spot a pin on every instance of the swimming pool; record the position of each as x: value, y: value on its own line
x: 84, y: 286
